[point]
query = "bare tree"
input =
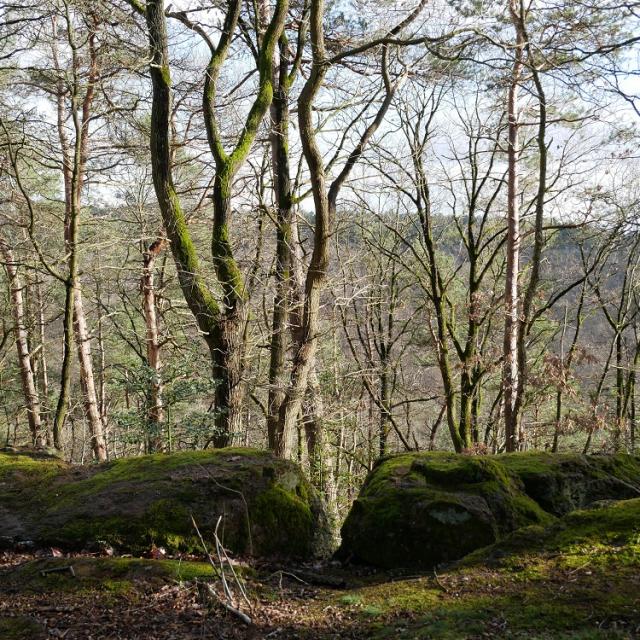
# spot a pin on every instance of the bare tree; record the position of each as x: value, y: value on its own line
x: 31, y: 396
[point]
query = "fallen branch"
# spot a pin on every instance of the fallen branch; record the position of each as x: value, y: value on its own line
x: 204, y: 546
x: 437, y: 581
x: 318, y: 579
x: 240, y: 614
x: 68, y: 568
x: 222, y: 552
x: 222, y: 556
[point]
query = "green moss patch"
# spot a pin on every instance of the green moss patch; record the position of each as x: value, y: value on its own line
x: 113, y: 575
x: 603, y: 536
x: 284, y: 518
x: 561, y: 483
x: 21, y: 628
x: 577, y: 579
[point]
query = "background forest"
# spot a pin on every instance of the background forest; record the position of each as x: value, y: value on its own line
x: 336, y: 230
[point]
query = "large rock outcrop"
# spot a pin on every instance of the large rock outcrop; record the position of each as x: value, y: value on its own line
x: 267, y: 506
x: 423, y: 509
x: 561, y: 483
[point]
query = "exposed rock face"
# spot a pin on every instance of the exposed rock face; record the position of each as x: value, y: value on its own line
x: 267, y: 506
x: 420, y: 510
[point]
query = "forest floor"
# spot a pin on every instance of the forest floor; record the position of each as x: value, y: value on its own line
x: 586, y: 592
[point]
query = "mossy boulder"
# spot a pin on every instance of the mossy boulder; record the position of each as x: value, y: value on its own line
x: 267, y: 506
x: 424, y: 509
x: 608, y: 532
x: 561, y: 483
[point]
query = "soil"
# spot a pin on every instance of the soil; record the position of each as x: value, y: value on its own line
x: 590, y: 592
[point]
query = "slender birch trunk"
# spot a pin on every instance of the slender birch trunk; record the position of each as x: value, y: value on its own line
x: 87, y: 379
x: 31, y: 398
x: 510, y: 377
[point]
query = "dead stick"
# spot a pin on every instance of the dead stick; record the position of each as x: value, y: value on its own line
x: 243, y: 616
x: 216, y: 571
x: 222, y: 552
x: 437, y: 581
x: 68, y: 568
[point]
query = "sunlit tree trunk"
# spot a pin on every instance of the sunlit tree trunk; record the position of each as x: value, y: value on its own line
x: 155, y: 408
x: 31, y: 398
x: 74, y: 158
x: 510, y: 378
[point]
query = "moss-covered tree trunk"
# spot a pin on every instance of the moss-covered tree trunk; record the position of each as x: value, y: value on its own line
x: 200, y: 300
x: 222, y: 324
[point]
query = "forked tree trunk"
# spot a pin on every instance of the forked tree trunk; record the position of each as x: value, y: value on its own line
x: 325, y: 201
x: 74, y: 161
x: 223, y: 326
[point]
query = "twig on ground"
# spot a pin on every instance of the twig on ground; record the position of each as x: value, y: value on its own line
x: 68, y: 568
x: 223, y: 553
x: 240, y: 614
x: 437, y: 581
x: 204, y: 546
x: 228, y: 602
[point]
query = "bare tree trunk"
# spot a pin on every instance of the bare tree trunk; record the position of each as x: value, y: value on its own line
x: 87, y: 380
x: 320, y: 467
x: 102, y: 381
x: 510, y: 378
x: 67, y: 322
x: 74, y: 161
x: 285, y: 284
x: 566, y: 366
x: 32, y: 401
x: 155, y: 409
x: 44, y: 365
x: 325, y: 201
